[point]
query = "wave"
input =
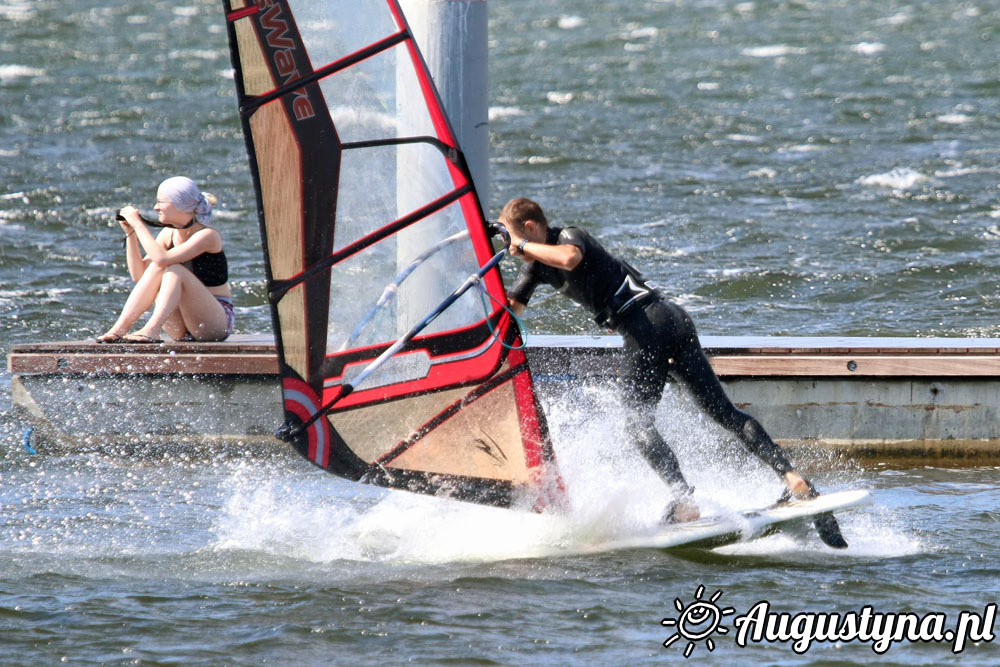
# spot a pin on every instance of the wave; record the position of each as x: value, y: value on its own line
x: 954, y: 119
x: 17, y: 11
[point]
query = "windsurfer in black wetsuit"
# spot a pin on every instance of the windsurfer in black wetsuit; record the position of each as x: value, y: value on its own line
x: 659, y: 342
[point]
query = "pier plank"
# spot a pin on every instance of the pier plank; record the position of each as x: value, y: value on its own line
x: 252, y: 363
x: 841, y: 365
x: 730, y: 356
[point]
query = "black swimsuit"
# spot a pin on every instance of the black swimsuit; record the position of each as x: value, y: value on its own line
x: 211, y: 268
x: 660, y: 341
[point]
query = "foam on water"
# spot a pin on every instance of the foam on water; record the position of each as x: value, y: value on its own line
x: 900, y: 178
x: 872, y: 533
x: 642, y: 32
x: 203, y: 54
x: 557, y: 97
x: 954, y: 119
x: 868, y: 48
x: 496, y: 113
x: 17, y: 11
x: 774, y: 51
x: 312, y: 523
x: 12, y: 72
x: 571, y: 22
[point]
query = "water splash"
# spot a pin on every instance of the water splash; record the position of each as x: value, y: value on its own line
x: 613, y: 494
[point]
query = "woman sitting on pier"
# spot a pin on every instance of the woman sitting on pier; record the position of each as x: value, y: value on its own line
x: 184, y: 276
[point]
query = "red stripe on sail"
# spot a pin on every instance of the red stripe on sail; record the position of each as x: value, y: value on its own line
x: 242, y: 13
x: 527, y: 410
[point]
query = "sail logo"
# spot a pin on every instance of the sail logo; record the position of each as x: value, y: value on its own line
x: 701, y: 619
x: 284, y: 50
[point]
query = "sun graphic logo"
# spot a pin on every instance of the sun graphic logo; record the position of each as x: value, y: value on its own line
x: 697, y: 621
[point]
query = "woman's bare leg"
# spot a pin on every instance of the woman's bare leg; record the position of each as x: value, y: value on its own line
x: 174, y: 325
x: 180, y: 291
x: 140, y: 299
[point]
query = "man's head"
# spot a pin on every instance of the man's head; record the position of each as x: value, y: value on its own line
x: 524, y: 216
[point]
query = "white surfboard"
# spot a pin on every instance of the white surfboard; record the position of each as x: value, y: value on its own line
x: 711, y: 532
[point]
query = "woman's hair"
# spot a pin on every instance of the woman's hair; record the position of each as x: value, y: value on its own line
x: 520, y: 210
x: 185, y: 195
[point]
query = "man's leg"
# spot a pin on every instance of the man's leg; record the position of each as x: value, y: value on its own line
x: 693, y: 371
x: 645, y: 377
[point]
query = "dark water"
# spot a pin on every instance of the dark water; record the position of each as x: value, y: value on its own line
x: 808, y: 168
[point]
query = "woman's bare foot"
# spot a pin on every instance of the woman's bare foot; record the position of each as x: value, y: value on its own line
x: 110, y: 337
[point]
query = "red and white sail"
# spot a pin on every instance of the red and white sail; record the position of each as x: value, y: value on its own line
x: 369, y: 218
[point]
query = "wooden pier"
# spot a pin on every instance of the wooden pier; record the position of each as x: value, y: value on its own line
x: 919, y: 400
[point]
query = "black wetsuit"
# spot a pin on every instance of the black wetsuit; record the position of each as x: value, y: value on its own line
x: 660, y: 342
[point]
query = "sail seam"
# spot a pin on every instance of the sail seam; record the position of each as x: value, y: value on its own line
x: 253, y: 103
x: 450, y: 152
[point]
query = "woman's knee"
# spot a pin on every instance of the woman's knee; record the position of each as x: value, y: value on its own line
x: 174, y: 270
x: 176, y: 275
x: 152, y: 271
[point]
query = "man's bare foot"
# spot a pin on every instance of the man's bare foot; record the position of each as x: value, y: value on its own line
x: 797, y: 484
x: 686, y: 510
x: 680, y: 511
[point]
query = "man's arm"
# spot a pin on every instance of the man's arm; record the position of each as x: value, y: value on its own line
x: 561, y: 256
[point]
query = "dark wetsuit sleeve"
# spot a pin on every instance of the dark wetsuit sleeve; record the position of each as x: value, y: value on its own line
x: 524, y: 286
x: 573, y: 236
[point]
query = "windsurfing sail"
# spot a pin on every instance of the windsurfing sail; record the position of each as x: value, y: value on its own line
x: 399, y: 364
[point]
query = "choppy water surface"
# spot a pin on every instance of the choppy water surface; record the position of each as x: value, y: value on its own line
x: 209, y: 562
x: 797, y: 167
